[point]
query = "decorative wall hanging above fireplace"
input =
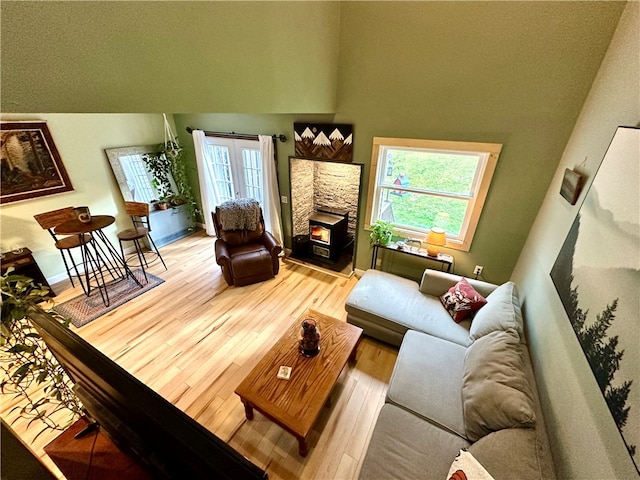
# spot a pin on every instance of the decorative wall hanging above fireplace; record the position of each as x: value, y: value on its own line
x: 328, y: 141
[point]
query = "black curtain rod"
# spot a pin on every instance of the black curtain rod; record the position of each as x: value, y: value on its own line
x: 247, y: 136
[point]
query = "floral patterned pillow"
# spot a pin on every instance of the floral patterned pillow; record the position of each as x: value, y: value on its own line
x: 461, y: 300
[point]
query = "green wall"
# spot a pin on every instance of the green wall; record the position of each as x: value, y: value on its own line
x: 515, y: 73
x: 150, y: 56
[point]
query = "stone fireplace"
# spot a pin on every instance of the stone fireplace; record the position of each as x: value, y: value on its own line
x: 324, y: 211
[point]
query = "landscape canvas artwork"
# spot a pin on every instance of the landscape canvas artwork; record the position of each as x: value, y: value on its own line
x: 30, y: 165
x: 597, y: 276
x: 324, y: 141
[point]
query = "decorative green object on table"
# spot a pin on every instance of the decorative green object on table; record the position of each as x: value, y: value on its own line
x: 381, y: 233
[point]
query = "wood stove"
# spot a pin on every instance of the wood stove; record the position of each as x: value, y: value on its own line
x: 328, y: 232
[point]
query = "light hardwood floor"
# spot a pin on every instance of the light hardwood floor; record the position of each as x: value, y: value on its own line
x: 193, y: 339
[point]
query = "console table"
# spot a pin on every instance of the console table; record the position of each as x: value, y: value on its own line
x: 446, y: 261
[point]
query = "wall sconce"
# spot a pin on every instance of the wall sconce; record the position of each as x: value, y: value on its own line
x: 436, y: 238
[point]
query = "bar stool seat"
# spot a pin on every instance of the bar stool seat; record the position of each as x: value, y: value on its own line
x: 139, y: 213
x: 48, y: 221
x: 131, y: 234
x: 72, y: 241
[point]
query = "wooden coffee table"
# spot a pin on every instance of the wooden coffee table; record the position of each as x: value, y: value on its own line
x: 295, y: 404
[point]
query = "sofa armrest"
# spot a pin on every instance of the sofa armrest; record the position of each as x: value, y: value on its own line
x: 436, y: 283
x: 271, y: 244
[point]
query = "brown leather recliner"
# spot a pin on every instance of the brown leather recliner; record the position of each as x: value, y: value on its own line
x: 246, y: 256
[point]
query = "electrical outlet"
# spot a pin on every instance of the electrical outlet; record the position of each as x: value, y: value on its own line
x: 284, y: 199
x: 478, y: 270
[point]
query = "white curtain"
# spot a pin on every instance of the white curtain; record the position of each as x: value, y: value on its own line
x: 271, y: 193
x: 208, y: 194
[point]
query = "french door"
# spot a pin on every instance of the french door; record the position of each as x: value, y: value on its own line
x: 236, y: 168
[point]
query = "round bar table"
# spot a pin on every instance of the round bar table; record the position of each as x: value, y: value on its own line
x: 96, y: 261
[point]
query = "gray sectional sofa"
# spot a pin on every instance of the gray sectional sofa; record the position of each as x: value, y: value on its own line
x: 455, y: 386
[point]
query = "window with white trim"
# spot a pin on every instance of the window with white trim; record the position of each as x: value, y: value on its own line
x: 420, y: 184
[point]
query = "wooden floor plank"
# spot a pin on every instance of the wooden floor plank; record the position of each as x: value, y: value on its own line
x: 193, y: 339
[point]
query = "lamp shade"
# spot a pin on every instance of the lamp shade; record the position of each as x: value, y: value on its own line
x: 436, y: 237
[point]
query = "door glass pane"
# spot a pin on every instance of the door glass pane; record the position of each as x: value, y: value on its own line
x: 252, y: 174
x: 221, y: 166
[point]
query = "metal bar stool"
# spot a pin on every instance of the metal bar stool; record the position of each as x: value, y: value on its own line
x: 139, y: 213
x: 48, y: 221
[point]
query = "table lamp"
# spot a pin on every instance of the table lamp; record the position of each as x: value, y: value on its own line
x: 436, y: 238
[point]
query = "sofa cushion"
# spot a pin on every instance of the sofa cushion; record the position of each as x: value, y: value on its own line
x: 495, y: 390
x: 467, y: 467
x: 519, y: 444
x: 502, y: 311
x: 427, y: 380
x: 436, y: 283
x: 396, y: 304
x: 404, y: 446
x: 462, y: 300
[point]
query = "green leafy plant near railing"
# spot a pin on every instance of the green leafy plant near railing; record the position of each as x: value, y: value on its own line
x: 30, y: 373
x: 170, y: 161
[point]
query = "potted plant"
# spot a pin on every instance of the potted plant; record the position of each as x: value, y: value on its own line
x: 159, y: 166
x: 162, y: 204
x: 168, y: 162
x: 381, y: 233
x: 29, y: 371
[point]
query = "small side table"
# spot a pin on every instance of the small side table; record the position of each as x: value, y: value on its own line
x: 446, y: 261
x: 25, y: 264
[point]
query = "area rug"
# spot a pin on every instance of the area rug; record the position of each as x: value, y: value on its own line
x: 82, y: 309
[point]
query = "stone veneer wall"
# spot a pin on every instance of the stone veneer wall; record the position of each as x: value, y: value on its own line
x: 337, y: 185
x: 301, y: 173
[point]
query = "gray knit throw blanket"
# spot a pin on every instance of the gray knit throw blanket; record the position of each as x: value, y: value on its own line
x: 241, y: 214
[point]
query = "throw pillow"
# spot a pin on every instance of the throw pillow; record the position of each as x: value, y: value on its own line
x: 461, y: 300
x: 495, y: 390
x: 501, y: 312
x: 466, y: 467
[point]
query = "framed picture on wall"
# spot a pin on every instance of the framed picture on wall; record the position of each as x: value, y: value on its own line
x: 30, y: 165
x: 596, y: 275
